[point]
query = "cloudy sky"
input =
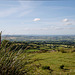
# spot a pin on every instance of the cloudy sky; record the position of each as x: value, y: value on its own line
x: 43, y: 17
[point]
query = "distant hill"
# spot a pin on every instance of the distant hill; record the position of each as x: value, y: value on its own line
x: 39, y: 37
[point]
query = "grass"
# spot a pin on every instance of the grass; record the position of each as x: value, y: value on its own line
x: 31, y: 50
x: 21, y: 63
x: 55, y: 60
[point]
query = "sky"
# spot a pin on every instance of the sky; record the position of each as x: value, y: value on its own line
x: 40, y: 17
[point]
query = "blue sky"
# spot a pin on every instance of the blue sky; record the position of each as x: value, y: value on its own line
x: 55, y: 17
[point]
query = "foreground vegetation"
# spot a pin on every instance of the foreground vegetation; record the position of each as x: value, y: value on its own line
x: 37, y: 58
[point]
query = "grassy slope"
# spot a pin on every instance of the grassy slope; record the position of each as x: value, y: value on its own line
x: 32, y: 63
x: 54, y: 60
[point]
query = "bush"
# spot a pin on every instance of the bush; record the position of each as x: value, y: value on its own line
x: 6, y: 43
x: 63, y: 51
x: 62, y: 67
x: 45, y: 67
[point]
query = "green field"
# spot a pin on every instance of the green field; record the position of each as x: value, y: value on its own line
x: 54, y: 60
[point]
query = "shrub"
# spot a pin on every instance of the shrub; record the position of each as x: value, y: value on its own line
x: 6, y: 43
x: 45, y: 67
x: 62, y: 67
x: 63, y: 51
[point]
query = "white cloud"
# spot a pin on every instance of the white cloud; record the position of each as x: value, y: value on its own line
x: 44, y: 28
x: 36, y: 19
x: 68, y: 24
x: 59, y: 28
x: 65, y: 20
